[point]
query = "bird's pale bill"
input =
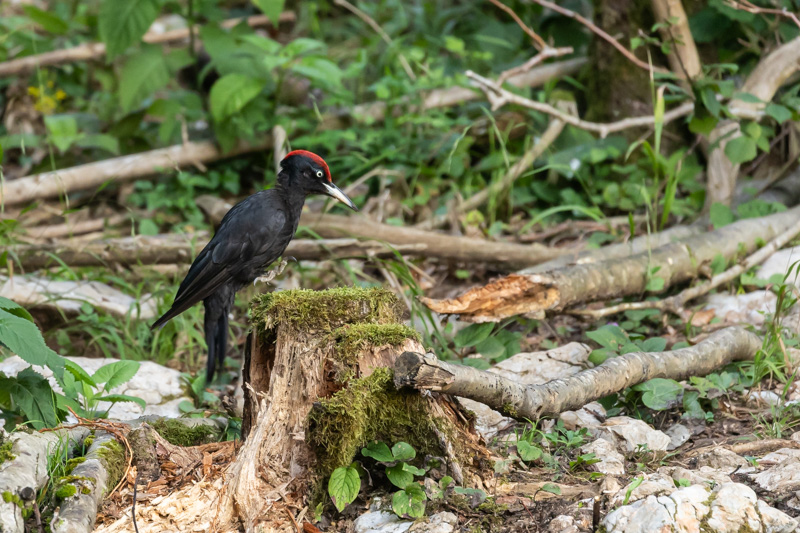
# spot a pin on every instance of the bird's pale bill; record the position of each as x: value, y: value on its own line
x: 335, y: 192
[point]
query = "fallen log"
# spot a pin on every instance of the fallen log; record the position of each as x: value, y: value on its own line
x: 426, y: 372
x: 25, y: 473
x: 556, y: 290
x: 382, y: 241
x: 92, y: 51
x: 64, y: 181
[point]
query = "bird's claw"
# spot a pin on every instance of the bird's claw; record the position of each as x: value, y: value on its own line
x: 269, y: 276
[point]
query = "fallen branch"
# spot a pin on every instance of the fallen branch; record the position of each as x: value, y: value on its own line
x: 426, y: 372
x: 382, y: 240
x: 60, y: 182
x: 556, y: 290
x: 91, y: 51
x: 676, y: 303
x: 498, y: 97
x: 56, y: 231
x: 763, y: 82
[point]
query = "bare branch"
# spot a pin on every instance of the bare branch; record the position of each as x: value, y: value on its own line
x: 538, y: 42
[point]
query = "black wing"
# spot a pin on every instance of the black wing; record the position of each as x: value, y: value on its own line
x: 247, y: 231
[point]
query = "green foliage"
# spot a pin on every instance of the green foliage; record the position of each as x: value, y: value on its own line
x: 123, y: 24
x: 30, y: 395
x: 343, y: 486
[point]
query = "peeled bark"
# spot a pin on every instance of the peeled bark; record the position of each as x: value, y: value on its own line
x: 426, y: 372
x: 556, y: 290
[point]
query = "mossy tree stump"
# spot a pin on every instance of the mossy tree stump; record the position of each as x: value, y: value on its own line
x: 318, y: 388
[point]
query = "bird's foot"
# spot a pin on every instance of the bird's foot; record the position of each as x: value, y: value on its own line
x: 269, y: 276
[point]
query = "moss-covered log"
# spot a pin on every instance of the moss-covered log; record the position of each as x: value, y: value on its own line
x: 318, y: 387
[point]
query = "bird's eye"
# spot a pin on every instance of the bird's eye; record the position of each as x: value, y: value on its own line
x: 319, y: 173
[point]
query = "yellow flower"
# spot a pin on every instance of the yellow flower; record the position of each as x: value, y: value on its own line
x: 60, y: 95
x: 33, y: 91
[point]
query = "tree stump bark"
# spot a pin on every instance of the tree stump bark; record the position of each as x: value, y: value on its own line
x: 318, y: 387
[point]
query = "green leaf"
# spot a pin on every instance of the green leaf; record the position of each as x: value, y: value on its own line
x: 320, y: 69
x: 720, y: 215
x: 411, y: 469
x: 402, y: 451
x: 143, y: 74
x: 34, y: 397
x: 122, y: 24
x: 22, y: 337
x: 718, y: 264
x: 552, y: 488
x: 114, y: 398
x: 780, y: 113
x: 528, y: 451
x: 741, y: 149
x: 271, y: 8
x: 231, y: 93
x: 48, y: 20
x: 378, y: 451
x: 15, y: 309
x: 399, y: 476
x: 473, y: 334
x: 491, y: 348
x: 100, y: 140
x: 115, y: 374
x: 608, y: 336
x: 655, y: 284
x: 659, y: 393
x: 409, y: 503
x: 654, y: 344
x: 343, y: 486
x: 62, y: 130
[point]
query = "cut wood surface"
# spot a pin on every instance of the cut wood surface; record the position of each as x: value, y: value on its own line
x: 426, y: 372
x: 91, y: 175
x: 90, y: 51
x: 556, y: 290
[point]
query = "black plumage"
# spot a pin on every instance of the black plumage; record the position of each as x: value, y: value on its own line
x: 251, y: 236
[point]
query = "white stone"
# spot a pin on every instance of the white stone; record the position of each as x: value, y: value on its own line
x: 380, y: 522
x: 611, y: 461
x: 784, y: 476
x: 698, y: 476
x: 635, y: 433
x: 733, y: 508
x: 748, y: 308
x: 778, y: 456
x: 762, y: 397
x: 69, y: 296
x: 585, y: 417
x: 779, y: 263
x: 653, y: 485
x: 438, y: 523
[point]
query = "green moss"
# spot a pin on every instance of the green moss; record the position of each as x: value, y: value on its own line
x: 65, y: 491
x: 8, y: 497
x: 88, y: 441
x: 181, y: 434
x: 112, y: 456
x: 325, y: 310
x: 86, y: 490
x: 5, y: 452
x: 368, y: 409
x: 72, y: 463
x: 508, y: 409
x: 351, y: 339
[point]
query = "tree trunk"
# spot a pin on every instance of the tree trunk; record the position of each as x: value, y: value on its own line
x: 318, y: 387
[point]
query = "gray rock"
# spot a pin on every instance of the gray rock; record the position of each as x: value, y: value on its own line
x: 386, y: 522
x: 748, y: 308
x: 678, y: 435
x: 784, y: 476
x: 633, y: 433
x: 721, y: 459
x: 653, y: 485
